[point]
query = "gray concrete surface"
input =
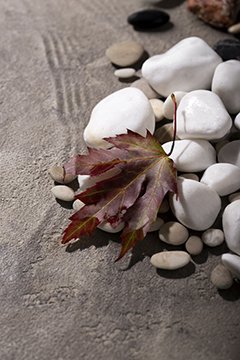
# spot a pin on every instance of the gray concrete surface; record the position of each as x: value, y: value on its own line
x: 59, y: 304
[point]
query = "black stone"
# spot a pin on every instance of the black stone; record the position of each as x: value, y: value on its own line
x: 228, y: 49
x: 148, y: 19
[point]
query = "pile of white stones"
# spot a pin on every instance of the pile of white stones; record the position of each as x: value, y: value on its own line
x: 206, y: 122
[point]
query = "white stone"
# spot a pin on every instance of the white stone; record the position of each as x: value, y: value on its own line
x: 164, y: 207
x: 202, y: 115
x: 194, y: 245
x: 237, y: 121
x: 224, y: 178
x: 230, y: 153
x: 221, y: 277
x: 173, y: 233
x: 220, y: 144
x: 191, y: 155
x: 63, y: 192
x: 190, y: 176
x: 196, y: 206
x: 234, y: 197
x: 170, y: 260
x: 125, y: 73
x: 156, y: 225
x: 87, y: 181
x: 168, y: 106
x: 125, y: 109
x: 226, y: 84
x: 107, y: 227
x: 78, y: 205
x: 232, y: 263
x: 231, y: 226
x: 234, y: 29
x: 213, y: 237
x: 157, y: 106
x: 187, y: 66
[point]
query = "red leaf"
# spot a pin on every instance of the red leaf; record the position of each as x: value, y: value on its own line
x: 133, y: 196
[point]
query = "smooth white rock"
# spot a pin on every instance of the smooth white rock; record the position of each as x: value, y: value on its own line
x: 170, y: 260
x: 156, y: 225
x: 221, y: 277
x: 196, y: 206
x: 226, y: 84
x: 194, y: 245
x: 237, y: 121
x: 78, y: 205
x: 187, y: 66
x: 107, y: 227
x: 231, y: 226
x: 157, y: 106
x: 224, y: 178
x: 232, y: 263
x: 191, y: 155
x: 234, y: 29
x: 173, y: 233
x: 220, y: 144
x: 63, y: 192
x: 86, y: 181
x: 234, y: 197
x: 213, y: 237
x: 202, y: 115
x: 230, y: 153
x: 168, y: 106
x: 190, y: 176
x: 125, y: 73
x: 125, y: 109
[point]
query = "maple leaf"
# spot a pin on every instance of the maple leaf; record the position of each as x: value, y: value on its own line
x: 144, y: 174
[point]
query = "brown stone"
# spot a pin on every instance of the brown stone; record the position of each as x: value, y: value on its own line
x: 218, y: 13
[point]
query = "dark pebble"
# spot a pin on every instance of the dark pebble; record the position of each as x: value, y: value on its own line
x: 148, y: 19
x: 228, y: 49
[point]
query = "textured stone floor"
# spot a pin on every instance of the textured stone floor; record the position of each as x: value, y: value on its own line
x: 59, y: 304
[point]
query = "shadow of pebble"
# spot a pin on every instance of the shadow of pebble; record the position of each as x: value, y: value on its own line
x: 201, y: 258
x: 128, y: 80
x: 161, y: 28
x: 231, y: 294
x: 65, y: 204
x: 184, y: 272
x: 169, y: 4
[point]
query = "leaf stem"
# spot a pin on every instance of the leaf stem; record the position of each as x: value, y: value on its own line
x: 174, y: 123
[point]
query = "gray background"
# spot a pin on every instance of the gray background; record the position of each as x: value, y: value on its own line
x: 78, y: 304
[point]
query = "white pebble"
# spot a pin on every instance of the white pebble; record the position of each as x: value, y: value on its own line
x: 194, y: 245
x: 202, y: 115
x: 222, y: 177
x: 213, y: 237
x: 107, y: 227
x: 234, y: 29
x: 234, y: 197
x: 226, y: 84
x: 87, y: 181
x: 168, y: 106
x: 78, y: 205
x: 190, y: 176
x: 232, y: 263
x: 63, y: 192
x: 191, y: 155
x: 221, y: 277
x: 187, y: 66
x: 196, y: 205
x: 230, y: 153
x: 156, y: 225
x: 127, y: 108
x: 231, y: 226
x: 237, y: 121
x: 164, y: 207
x: 220, y: 144
x: 157, y: 106
x: 170, y: 260
x: 125, y: 73
x: 173, y: 233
